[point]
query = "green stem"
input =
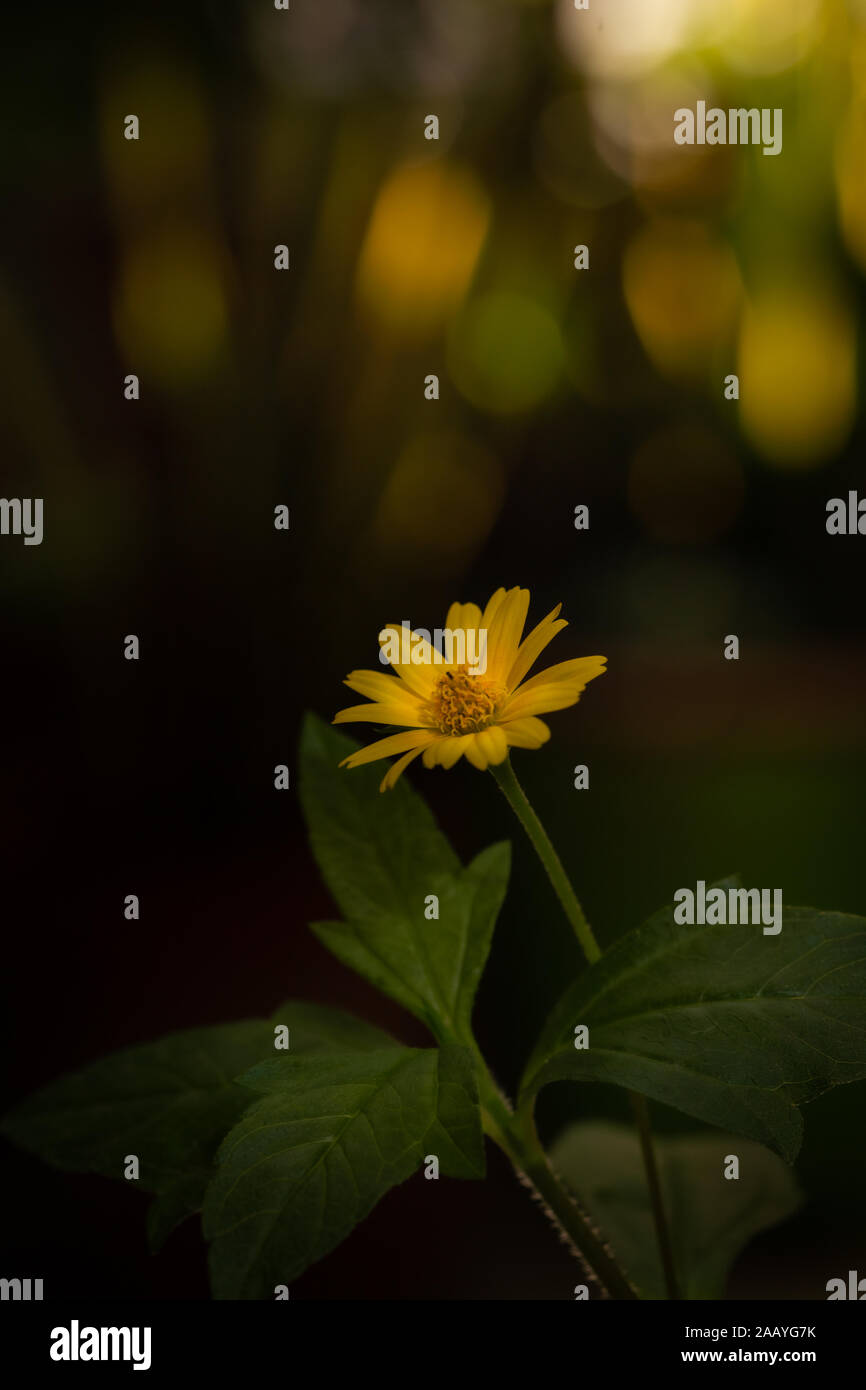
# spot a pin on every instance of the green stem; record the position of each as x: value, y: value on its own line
x: 519, y: 802
x: 517, y: 1138
x: 641, y: 1114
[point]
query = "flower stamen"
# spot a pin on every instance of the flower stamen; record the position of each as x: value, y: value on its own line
x: 463, y: 704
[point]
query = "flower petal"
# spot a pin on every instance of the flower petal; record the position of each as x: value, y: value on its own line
x: 532, y: 646
x: 491, y: 608
x: 475, y: 754
x: 503, y: 638
x: 582, y: 668
x: 526, y: 733
x: 394, y: 743
x: 396, y: 769
x: 465, y: 615
x: 426, y: 666
x: 493, y: 745
x: 377, y: 685
x: 447, y: 751
x: 394, y: 712
x: 541, y: 696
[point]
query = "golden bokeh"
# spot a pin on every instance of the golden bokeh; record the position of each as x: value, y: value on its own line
x: 683, y: 291
x: 422, y: 245
x: 797, y: 369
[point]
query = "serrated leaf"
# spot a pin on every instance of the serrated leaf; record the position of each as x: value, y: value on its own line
x: 170, y: 1103
x: 329, y: 1138
x: 722, y: 1022
x: 382, y: 856
x: 711, y: 1218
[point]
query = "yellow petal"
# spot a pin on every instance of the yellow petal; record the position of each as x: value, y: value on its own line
x: 394, y: 743
x: 493, y: 745
x: 391, y: 713
x: 424, y: 670
x: 475, y: 753
x: 437, y: 754
x: 532, y: 646
x: 526, y: 733
x: 452, y: 750
x: 491, y: 608
x: 579, y: 671
x: 447, y: 751
x: 376, y: 685
x: 540, y: 697
x: 395, y: 770
x: 503, y: 638
x: 465, y: 615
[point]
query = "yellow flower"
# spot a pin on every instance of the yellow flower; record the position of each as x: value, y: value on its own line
x: 480, y: 710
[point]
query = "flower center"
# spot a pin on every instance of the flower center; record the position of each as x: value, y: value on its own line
x: 463, y: 704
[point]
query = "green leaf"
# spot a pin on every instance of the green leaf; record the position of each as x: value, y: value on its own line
x: 174, y: 1204
x: 711, y: 1218
x: 317, y: 1028
x: 170, y: 1103
x: 382, y: 856
x: 331, y: 1135
x: 721, y: 1022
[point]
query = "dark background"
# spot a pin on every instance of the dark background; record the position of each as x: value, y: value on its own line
x: 306, y: 388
